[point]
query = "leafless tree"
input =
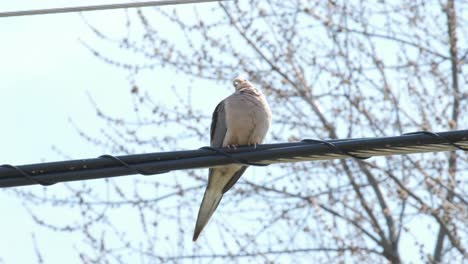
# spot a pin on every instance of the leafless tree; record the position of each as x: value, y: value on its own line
x: 330, y: 69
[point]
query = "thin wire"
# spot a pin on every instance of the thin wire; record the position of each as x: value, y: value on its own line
x: 100, y: 7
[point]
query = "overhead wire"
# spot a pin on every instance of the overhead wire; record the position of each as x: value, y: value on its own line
x: 59, y: 10
x: 261, y: 155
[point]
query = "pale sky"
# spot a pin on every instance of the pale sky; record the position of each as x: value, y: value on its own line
x: 46, y: 73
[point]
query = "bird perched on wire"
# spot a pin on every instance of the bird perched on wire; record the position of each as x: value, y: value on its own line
x: 242, y: 118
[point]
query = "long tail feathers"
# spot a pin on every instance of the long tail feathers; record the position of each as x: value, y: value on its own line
x: 209, y: 204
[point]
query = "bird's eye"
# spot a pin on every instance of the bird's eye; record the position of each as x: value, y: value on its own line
x: 236, y: 83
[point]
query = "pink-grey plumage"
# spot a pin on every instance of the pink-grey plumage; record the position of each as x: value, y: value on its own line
x: 242, y: 118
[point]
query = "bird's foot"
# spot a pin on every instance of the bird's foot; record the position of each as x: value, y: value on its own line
x: 231, y: 146
x: 254, y: 145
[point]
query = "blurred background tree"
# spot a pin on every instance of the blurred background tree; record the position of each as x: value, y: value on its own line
x: 330, y: 69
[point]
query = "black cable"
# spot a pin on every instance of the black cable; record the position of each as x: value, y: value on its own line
x: 238, y: 160
x: 153, y: 163
x: 130, y: 167
x: 435, y: 135
x: 334, y: 147
x: 30, y: 178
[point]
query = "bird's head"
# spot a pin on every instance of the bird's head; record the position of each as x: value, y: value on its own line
x: 240, y: 83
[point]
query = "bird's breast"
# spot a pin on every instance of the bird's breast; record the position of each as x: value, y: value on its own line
x: 248, y: 120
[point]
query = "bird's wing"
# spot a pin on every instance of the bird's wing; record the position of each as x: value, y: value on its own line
x: 218, y: 132
x: 218, y: 126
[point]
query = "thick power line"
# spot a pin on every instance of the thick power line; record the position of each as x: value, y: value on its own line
x: 263, y: 155
x: 101, y: 7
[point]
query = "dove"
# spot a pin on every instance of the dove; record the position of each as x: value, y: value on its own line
x: 242, y: 118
